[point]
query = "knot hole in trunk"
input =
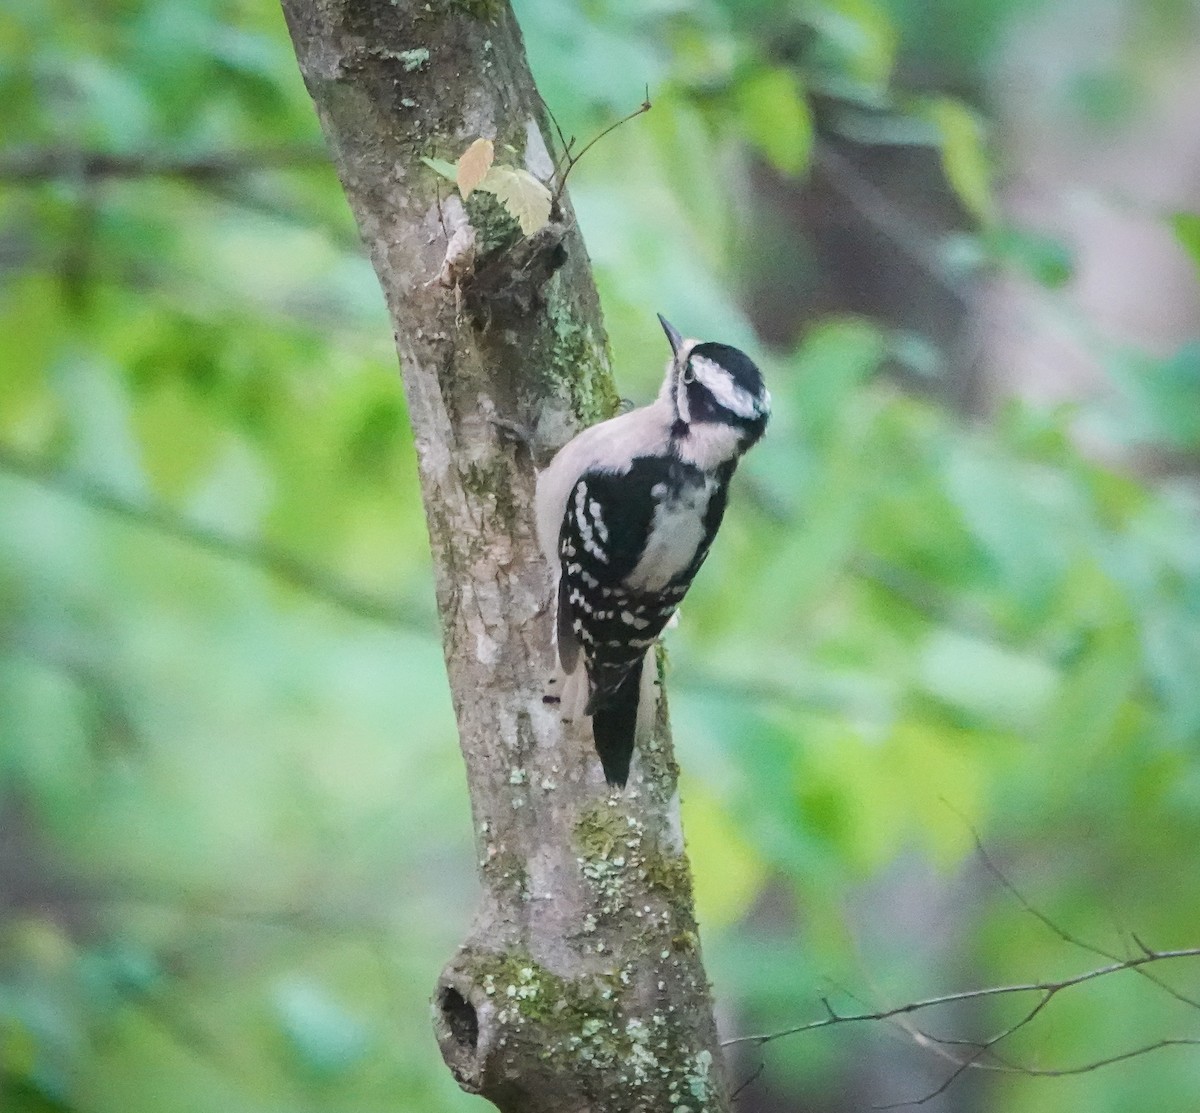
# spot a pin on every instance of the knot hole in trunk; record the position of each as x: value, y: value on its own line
x: 460, y: 1019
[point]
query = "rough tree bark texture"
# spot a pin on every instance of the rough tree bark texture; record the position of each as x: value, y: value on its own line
x: 580, y: 985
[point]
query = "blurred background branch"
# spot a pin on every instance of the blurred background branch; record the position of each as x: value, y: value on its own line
x: 160, y: 518
x: 50, y: 163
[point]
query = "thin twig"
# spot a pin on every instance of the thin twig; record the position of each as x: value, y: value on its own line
x: 748, y: 1080
x: 573, y: 160
x: 962, y: 1067
x: 1052, y: 987
x: 563, y: 144
x: 1096, y: 1064
x: 1045, y: 1072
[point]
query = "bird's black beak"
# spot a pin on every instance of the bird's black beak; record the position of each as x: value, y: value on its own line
x: 672, y: 334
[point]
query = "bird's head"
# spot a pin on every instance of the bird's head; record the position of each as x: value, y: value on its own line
x: 715, y: 383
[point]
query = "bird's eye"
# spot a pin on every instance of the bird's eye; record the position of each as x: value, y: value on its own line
x: 687, y: 374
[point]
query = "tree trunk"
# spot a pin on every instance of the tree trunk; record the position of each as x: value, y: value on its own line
x: 580, y: 985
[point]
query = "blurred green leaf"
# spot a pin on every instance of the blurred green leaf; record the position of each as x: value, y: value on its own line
x: 857, y: 40
x: 1186, y: 227
x: 685, y: 146
x: 935, y: 771
x: 836, y: 358
x: 986, y: 681
x: 1017, y: 516
x: 447, y: 170
x: 964, y: 157
x: 1046, y: 260
x: 776, y: 119
x: 728, y: 872
x: 103, y: 104
x: 1173, y: 662
x: 328, y: 1039
x: 1094, y: 692
x: 916, y: 353
x: 179, y: 440
x: 1165, y: 393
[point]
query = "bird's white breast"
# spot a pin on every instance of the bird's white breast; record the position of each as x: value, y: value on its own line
x: 676, y: 533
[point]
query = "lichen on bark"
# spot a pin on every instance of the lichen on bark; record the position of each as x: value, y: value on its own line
x: 580, y: 985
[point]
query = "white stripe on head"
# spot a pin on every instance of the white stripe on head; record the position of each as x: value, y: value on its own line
x: 673, y: 390
x: 682, y: 406
x: 719, y: 383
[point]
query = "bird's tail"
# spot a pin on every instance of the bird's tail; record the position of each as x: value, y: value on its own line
x: 614, y: 711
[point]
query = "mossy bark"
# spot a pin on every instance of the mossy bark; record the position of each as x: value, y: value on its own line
x: 580, y: 985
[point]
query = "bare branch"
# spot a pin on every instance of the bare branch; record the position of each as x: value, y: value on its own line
x: 1048, y: 988
x: 975, y: 1060
x: 1061, y: 932
x: 1096, y: 1064
x: 963, y: 1066
x: 1042, y: 1072
x: 983, y: 1054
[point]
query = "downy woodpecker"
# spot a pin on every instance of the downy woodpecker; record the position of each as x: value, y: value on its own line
x: 626, y: 512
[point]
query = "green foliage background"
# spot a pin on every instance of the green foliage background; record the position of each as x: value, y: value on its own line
x: 235, y: 844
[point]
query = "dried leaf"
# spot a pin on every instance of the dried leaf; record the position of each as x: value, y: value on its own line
x: 473, y: 165
x: 526, y: 199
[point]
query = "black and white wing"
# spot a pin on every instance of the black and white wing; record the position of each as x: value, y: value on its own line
x: 629, y: 546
